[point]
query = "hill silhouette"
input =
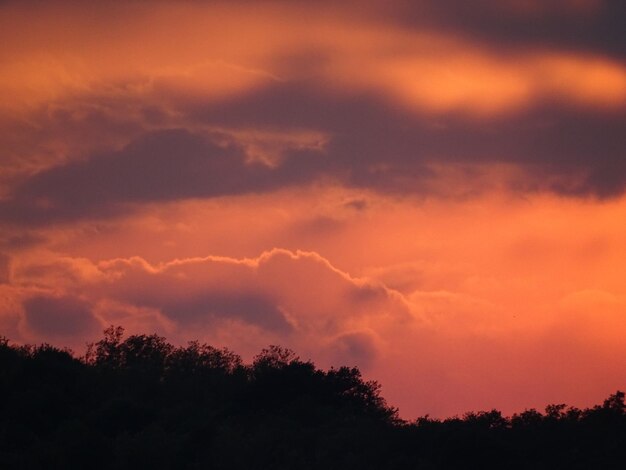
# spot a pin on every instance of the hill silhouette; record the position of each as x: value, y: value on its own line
x: 141, y: 403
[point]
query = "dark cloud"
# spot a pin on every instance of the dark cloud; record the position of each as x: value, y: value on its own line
x: 204, y: 309
x: 161, y: 166
x: 357, y: 204
x: 562, y: 148
x: 548, y: 24
x: 85, y: 124
x: 317, y: 226
x: 356, y: 348
x: 5, y: 268
x: 21, y: 241
x: 375, y: 145
x: 182, y: 295
x: 59, y: 317
x: 366, y: 294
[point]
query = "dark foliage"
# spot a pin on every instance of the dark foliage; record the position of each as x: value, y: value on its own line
x: 139, y: 402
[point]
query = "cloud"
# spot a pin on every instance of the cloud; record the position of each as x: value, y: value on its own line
x: 370, y: 146
x: 577, y: 25
x: 490, y: 314
x: 355, y: 348
x: 386, y: 101
x: 438, y: 63
x: 291, y: 298
x: 279, y: 290
x: 60, y: 317
x: 555, y: 146
x: 446, y: 181
x: 5, y: 268
x: 21, y: 241
x: 195, y: 294
x: 161, y: 166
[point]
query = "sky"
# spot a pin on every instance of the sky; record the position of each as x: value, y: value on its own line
x: 430, y: 190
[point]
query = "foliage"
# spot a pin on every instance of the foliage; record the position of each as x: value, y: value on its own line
x: 140, y: 402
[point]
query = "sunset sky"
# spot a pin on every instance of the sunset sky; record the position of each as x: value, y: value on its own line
x: 433, y: 191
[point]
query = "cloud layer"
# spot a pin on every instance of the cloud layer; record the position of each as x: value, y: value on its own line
x: 387, y: 102
x: 448, y: 309
x: 298, y: 299
x: 431, y: 190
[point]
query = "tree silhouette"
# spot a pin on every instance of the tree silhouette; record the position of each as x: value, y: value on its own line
x: 140, y: 402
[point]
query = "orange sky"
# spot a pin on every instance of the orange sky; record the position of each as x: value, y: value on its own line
x: 431, y: 193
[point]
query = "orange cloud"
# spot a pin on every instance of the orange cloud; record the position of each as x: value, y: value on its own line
x: 298, y: 299
x: 433, y: 72
x: 453, y: 305
x: 172, y: 53
x: 337, y: 180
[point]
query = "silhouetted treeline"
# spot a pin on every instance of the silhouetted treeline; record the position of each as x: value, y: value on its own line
x: 141, y: 403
